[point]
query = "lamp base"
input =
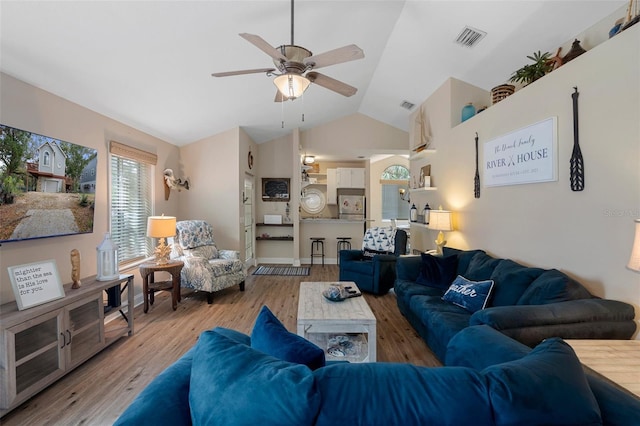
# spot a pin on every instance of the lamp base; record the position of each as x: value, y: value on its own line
x: 440, y: 243
x: 162, y: 252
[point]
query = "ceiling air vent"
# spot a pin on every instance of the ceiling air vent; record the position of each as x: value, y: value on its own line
x: 407, y: 105
x: 469, y: 36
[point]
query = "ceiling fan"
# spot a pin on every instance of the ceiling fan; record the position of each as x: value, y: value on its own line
x: 295, y: 65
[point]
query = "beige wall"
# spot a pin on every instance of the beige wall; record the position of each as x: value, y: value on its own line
x: 29, y: 108
x: 586, y: 234
x: 212, y: 165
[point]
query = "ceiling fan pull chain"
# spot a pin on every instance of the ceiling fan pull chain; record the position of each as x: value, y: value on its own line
x: 302, y: 106
x: 282, y: 113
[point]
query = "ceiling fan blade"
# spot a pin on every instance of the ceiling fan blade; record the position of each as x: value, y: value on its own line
x: 336, y: 56
x: 261, y: 44
x: 254, y: 71
x: 331, y: 84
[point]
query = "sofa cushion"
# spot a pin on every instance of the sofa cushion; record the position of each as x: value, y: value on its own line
x: 405, y: 290
x: 471, y: 295
x: 436, y: 271
x: 464, y: 257
x: 401, y: 394
x: 510, y: 282
x: 271, y: 337
x: 231, y: 383
x: 547, y: 386
x: 553, y: 286
x: 481, y: 266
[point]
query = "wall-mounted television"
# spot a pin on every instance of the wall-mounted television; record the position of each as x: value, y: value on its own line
x: 47, y: 186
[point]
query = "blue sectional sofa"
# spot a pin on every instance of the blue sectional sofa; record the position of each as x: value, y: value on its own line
x: 527, y: 304
x: 224, y: 379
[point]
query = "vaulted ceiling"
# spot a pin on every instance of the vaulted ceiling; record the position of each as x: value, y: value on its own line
x: 148, y: 64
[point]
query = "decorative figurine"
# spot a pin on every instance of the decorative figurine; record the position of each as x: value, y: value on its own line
x: 75, y: 268
x: 171, y: 182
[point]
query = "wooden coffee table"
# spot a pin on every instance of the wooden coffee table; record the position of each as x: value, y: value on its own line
x: 345, y: 330
x: 616, y: 360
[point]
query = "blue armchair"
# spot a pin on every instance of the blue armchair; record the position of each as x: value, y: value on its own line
x: 373, y: 268
x: 206, y: 268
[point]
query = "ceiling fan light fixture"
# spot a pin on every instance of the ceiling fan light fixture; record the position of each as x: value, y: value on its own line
x: 291, y: 86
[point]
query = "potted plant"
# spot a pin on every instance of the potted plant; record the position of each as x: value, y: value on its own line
x: 529, y: 73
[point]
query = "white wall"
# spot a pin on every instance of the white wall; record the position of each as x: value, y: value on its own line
x: 586, y: 234
x: 29, y: 108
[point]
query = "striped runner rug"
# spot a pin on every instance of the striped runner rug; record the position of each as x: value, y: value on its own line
x: 282, y: 270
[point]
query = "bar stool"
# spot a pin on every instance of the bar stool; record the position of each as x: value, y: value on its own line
x: 344, y: 243
x: 317, y: 248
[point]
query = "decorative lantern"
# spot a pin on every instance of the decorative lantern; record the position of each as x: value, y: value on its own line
x: 107, y: 253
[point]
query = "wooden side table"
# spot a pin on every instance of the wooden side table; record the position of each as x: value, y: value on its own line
x: 149, y: 286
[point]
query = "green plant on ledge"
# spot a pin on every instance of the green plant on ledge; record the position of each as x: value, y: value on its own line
x: 531, y: 72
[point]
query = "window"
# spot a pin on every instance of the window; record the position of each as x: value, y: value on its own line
x: 393, y: 179
x: 46, y: 158
x: 130, y: 206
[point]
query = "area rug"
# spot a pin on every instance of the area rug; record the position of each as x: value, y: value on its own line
x: 282, y: 270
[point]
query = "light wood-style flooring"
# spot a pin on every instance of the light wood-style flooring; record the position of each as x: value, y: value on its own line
x: 98, y: 391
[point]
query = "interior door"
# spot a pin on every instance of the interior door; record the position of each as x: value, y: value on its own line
x: 247, y: 201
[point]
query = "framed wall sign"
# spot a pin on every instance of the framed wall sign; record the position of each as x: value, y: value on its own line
x: 275, y: 189
x: 35, y: 283
x: 527, y: 155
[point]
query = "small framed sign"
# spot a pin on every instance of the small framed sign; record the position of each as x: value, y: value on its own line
x: 35, y: 283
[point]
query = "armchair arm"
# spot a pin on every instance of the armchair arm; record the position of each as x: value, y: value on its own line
x: 351, y: 255
x: 408, y: 267
x: 228, y: 254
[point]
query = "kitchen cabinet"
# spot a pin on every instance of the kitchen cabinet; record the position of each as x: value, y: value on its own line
x: 332, y: 186
x: 41, y: 344
x: 350, y: 178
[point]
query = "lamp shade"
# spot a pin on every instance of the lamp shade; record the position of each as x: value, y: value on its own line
x: 440, y: 220
x: 634, y: 260
x: 161, y: 226
x: 291, y: 85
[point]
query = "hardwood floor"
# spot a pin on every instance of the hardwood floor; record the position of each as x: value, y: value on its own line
x: 98, y: 391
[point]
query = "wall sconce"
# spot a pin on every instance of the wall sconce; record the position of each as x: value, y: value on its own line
x: 161, y: 227
x: 440, y: 220
x: 404, y: 195
x: 107, y: 253
x: 634, y: 260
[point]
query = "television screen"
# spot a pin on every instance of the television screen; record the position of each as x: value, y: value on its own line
x: 47, y: 186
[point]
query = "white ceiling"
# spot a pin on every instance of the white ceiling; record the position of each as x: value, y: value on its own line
x: 148, y: 63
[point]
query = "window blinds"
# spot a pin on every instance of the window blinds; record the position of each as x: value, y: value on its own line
x: 131, y: 201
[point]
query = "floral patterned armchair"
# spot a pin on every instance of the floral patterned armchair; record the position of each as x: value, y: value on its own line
x: 205, y: 267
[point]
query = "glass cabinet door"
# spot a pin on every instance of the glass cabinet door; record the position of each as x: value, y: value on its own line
x: 85, y: 319
x: 38, y: 354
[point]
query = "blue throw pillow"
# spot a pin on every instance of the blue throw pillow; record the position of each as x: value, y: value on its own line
x: 547, y: 386
x: 436, y: 271
x: 471, y: 295
x: 233, y: 384
x: 271, y: 337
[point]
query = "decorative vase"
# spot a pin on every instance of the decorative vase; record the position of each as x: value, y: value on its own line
x: 107, y: 253
x: 468, y: 111
x: 576, y: 50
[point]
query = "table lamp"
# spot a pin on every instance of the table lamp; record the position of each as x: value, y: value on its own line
x: 161, y: 227
x: 634, y: 260
x: 440, y: 220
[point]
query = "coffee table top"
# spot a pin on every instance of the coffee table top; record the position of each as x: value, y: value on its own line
x: 314, y: 307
